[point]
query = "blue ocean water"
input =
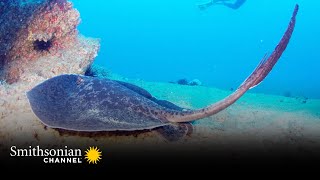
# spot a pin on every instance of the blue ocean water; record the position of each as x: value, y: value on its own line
x: 166, y: 40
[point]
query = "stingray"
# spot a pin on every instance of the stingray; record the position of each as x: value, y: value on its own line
x: 80, y: 103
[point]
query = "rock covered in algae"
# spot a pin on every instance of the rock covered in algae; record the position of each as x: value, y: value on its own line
x: 42, y: 29
x: 38, y: 40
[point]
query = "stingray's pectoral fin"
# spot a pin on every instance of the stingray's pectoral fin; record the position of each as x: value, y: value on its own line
x: 136, y: 89
x: 253, y: 80
x: 175, y: 132
x: 167, y: 104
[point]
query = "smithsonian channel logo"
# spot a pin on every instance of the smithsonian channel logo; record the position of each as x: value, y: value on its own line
x: 92, y: 155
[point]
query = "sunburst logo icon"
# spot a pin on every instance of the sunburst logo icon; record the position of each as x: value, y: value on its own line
x: 93, y: 155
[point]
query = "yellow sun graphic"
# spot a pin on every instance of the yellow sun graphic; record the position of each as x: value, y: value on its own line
x: 93, y: 155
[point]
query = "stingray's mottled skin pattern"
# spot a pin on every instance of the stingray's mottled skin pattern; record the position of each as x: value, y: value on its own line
x: 82, y: 103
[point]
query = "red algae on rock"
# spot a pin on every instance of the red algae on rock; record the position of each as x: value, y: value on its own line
x: 49, y: 31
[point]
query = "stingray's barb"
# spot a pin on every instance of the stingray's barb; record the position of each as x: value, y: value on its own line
x: 254, y: 79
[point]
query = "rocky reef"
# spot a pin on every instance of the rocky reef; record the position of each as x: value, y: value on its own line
x: 38, y: 40
x: 184, y: 81
x: 34, y: 32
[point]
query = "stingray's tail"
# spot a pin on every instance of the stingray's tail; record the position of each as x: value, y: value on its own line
x: 253, y: 80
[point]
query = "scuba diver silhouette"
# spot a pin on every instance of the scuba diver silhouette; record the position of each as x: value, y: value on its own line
x: 227, y: 3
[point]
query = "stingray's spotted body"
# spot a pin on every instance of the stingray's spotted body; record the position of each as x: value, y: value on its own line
x: 81, y: 103
x: 71, y: 100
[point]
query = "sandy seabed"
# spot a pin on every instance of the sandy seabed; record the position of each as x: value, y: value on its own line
x: 256, y: 121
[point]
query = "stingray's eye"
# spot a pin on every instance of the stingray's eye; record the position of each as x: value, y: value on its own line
x: 42, y: 45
